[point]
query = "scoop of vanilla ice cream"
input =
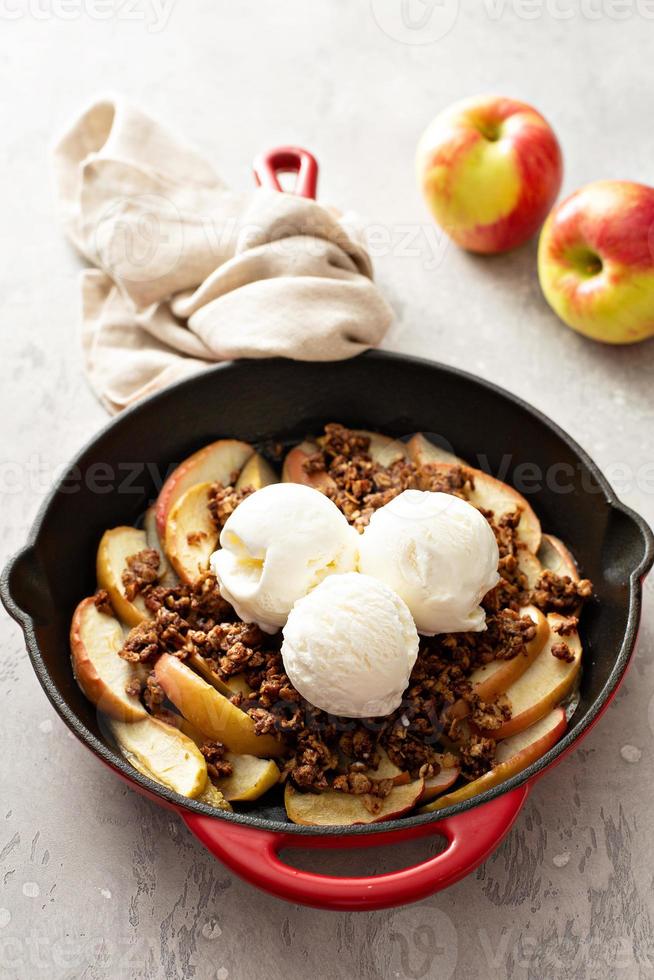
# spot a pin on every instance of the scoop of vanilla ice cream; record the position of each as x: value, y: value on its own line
x: 279, y: 543
x: 438, y: 553
x: 350, y: 645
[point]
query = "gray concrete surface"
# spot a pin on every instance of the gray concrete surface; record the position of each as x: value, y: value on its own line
x: 99, y: 884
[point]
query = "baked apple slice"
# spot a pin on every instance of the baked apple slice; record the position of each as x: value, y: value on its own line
x: 385, y: 768
x: 384, y: 450
x: 103, y: 676
x: 251, y: 777
x: 422, y: 451
x: 530, y: 567
x: 210, y: 711
x: 332, y: 808
x: 489, y: 493
x: 116, y: 546
x: 492, y: 494
x: 512, y: 756
x: 256, y: 473
x: 236, y: 684
x: 167, y: 576
x: 555, y: 557
x: 388, y: 770
x: 497, y: 676
x: 219, y: 462
x: 435, y: 785
x: 293, y: 470
x: 545, y: 684
x: 163, y: 753
x: 191, y: 535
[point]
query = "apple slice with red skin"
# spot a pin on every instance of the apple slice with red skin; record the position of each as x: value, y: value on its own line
x: 512, y: 756
x: 499, y: 497
x: 496, y: 677
x: 191, y: 535
x: 257, y: 473
x: 383, y: 449
x: 435, y: 785
x: 545, y: 684
x: 116, y: 546
x: 219, y: 462
x: 385, y: 768
x: 422, y: 451
x: 488, y: 493
x: 210, y: 712
x: 333, y: 808
x: 163, y: 753
x: 293, y: 470
x: 103, y: 676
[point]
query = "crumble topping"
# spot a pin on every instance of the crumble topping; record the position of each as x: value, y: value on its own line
x: 223, y: 501
x: 343, y: 753
x: 562, y: 652
x: 559, y: 593
x: 217, y: 765
x: 567, y: 626
x: 141, y: 571
x: 102, y: 602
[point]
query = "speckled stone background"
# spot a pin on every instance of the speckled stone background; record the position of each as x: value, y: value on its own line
x: 97, y: 883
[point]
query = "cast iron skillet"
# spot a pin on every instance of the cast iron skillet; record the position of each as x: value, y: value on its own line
x: 116, y: 475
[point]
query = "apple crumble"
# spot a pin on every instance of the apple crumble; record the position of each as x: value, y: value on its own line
x: 467, y: 692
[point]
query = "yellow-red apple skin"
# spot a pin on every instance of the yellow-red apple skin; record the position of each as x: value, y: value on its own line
x: 490, y: 169
x: 220, y: 461
x: 596, y: 261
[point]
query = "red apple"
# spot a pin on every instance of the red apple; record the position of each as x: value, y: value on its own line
x: 596, y: 261
x: 490, y: 169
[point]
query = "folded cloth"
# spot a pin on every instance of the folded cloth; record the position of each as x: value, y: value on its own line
x: 189, y: 273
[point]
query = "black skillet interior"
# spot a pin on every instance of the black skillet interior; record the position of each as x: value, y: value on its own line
x: 116, y: 476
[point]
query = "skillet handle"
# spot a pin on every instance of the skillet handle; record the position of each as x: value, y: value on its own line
x: 287, y: 159
x: 254, y: 855
x: 23, y: 589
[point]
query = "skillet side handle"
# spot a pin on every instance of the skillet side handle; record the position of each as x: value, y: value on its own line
x: 287, y: 159
x: 22, y: 586
x: 254, y: 855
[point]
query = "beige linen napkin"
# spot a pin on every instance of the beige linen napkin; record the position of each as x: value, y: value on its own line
x: 188, y: 272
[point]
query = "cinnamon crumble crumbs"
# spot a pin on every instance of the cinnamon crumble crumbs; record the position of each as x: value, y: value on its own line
x: 567, y: 626
x: 103, y: 603
x: 559, y: 593
x: 223, y: 501
x: 142, y: 570
x: 217, y: 765
x: 323, y: 751
x: 562, y: 652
